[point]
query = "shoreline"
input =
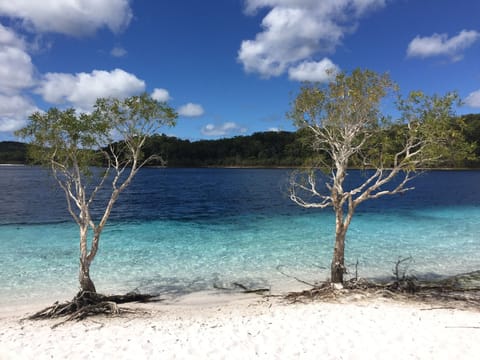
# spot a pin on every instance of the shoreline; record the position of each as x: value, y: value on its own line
x: 252, y: 327
x: 266, y: 167
x: 278, y: 287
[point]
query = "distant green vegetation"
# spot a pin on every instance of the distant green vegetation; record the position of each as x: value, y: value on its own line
x: 259, y: 149
x: 262, y: 149
x: 12, y: 152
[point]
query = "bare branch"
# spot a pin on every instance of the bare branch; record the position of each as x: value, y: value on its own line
x: 325, y: 200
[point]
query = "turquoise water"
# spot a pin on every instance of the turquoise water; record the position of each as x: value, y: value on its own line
x: 170, y: 236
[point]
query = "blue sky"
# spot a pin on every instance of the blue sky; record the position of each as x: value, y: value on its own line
x: 229, y: 67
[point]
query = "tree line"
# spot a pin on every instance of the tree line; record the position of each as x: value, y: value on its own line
x: 263, y: 149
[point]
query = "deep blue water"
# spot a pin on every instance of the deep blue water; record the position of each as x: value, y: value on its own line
x: 181, y: 230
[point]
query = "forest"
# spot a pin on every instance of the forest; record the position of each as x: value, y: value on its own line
x: 261, y: 149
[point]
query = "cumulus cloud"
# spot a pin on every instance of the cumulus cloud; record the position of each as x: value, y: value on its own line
x: 118, y: 51
x: 321, y: 71
x: 161, y: 95
x: 16, y: 68
x: 73, y: 17
x: 191, y: 110
x: 473, y: 99
x: 224, y: 129
x: 297, y: 30
x: 16, y: 75
x: 441, y: 45
x: 81, y: 90
x: 14, y: 110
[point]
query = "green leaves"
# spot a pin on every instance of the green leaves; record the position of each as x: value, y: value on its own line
x: 66, y: 139
x: 347, y: 124
x: 135, y: 116
x: 432, y: 127
x: 347, y: 102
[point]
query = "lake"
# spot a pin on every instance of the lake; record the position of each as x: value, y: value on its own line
x: 177, y: 231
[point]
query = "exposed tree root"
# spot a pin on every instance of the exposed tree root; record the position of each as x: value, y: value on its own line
x: 87, y: 303
x: 452, y: 290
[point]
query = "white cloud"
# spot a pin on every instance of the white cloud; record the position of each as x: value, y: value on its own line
x: 224, y: 129
x: 16, y: 68
x: 8, y: 37
x: 14, y: 111
x: 473, y: 100
x: 440, y: 44
x: 16, y: 75
x: 161, y: 95
x: 321, y: 71
x: 274, y: 129
x: 191, y: 110
x: 297, y: 30
x: 118, y: 51
x: 82, y: 89
x: 71, y: 17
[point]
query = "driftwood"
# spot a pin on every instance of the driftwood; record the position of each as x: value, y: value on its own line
x: 87, y: 303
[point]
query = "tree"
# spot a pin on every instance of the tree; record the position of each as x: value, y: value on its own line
x: 70, y: 144
x: 346, y: 127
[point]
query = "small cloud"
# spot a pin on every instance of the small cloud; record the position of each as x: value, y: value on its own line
x: 118, y: 52
x: 321, y: 71
x: 191, y: 110
x: 441, y: 45
x: 161, y: 95
x: 224, y: 129
x: 274, y: 129
x: 473, y: 100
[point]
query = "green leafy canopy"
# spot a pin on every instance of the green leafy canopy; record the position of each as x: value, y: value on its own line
x: 62, y: 137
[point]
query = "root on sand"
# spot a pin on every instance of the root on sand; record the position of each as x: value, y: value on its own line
x: 456, y: 290
x: 87, y: 303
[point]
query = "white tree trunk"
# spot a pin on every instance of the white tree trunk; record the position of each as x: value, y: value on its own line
x: 86, y: 283
x: 338, y: 261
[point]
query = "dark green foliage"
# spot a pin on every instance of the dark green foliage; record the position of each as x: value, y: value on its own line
x: 12, y: 152
x: 263, y: 149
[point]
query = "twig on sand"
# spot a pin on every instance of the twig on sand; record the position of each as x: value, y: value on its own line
x: 279, y: 269
x: 244, y: 288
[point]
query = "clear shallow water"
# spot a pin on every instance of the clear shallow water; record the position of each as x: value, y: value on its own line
x: 183, y: 230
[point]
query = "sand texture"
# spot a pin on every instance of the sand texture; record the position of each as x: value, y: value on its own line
x: 252, y: 328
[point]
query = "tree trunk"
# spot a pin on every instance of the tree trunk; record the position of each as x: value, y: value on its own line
x: 86, y: 284
x: 338, y: 261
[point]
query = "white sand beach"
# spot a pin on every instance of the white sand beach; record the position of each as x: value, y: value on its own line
x: 249, y: 327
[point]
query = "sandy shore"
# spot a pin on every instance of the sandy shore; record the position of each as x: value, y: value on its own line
x: 248, y: 327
